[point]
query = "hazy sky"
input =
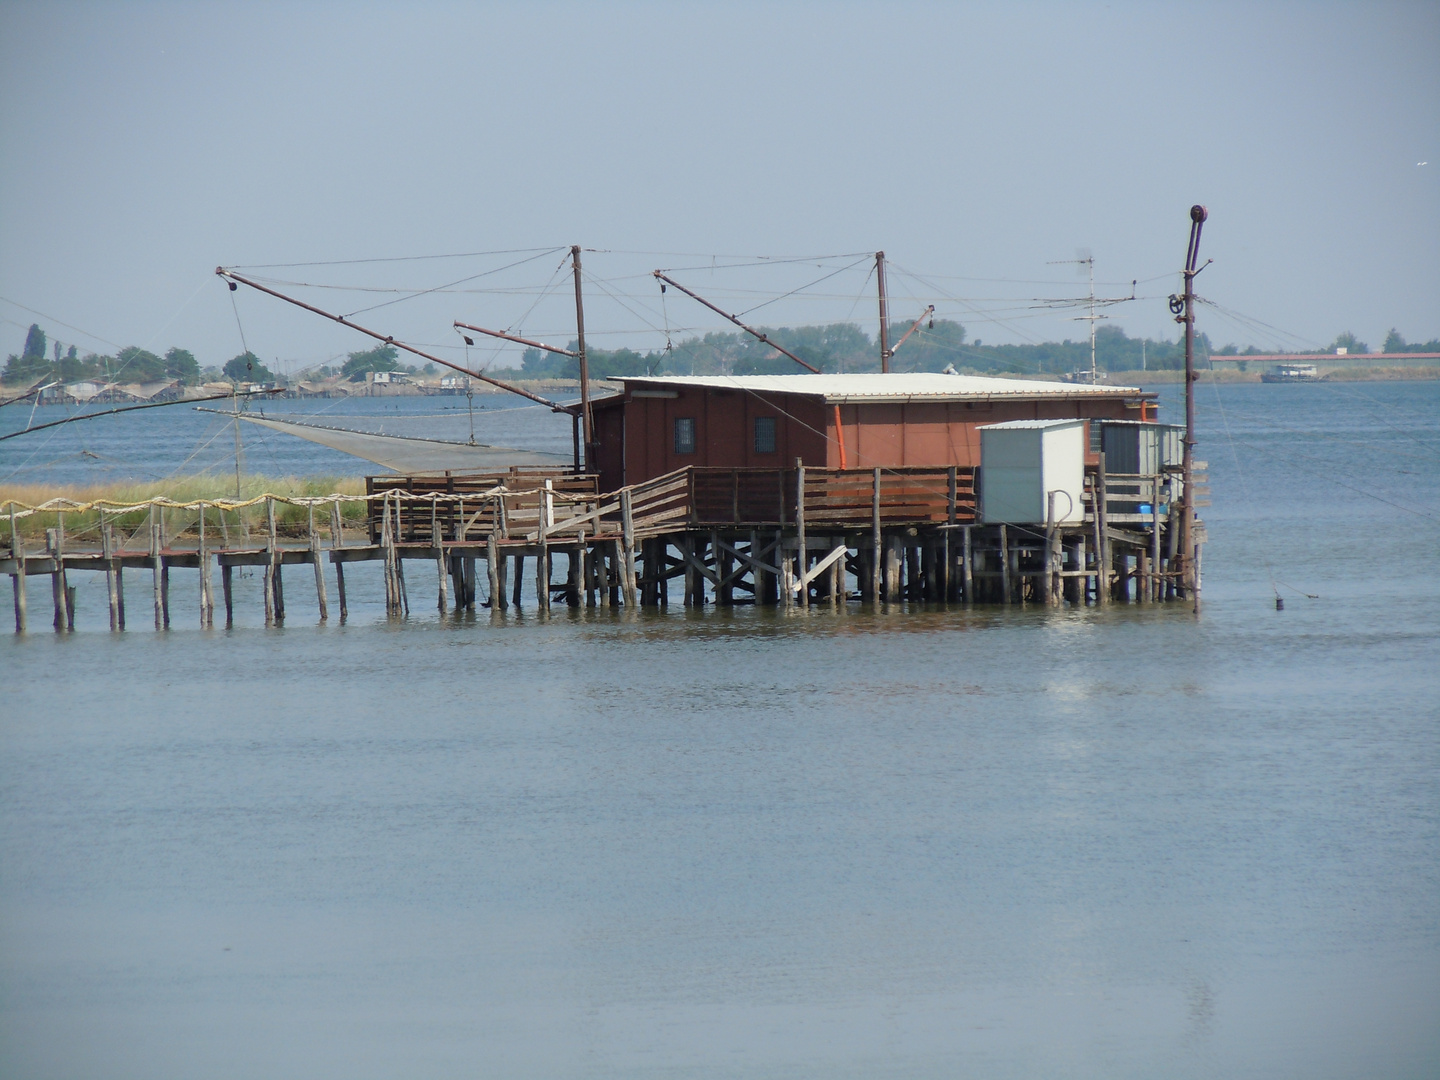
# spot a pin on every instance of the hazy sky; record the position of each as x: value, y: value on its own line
x: 143, y: 144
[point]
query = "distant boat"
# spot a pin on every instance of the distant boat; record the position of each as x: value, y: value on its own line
x: 1085, y: 376
x: 1291, y: 373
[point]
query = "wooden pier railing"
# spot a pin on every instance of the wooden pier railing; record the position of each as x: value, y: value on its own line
x: 834, y: 498
x: 513, y: 504
x: 780, y: 536
x: 472, y: 505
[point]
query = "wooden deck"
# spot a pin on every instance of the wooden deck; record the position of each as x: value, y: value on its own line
x: 786, y: 537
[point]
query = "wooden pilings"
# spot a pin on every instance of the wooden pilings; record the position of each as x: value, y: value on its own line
x: 337, y: 541
x: 107, y: 550
x: 59, y: 588
x: 321, y: 599
x: 1053, y: 564
x: 207, y: 593
x: 495, y: 568
x: 903, y: 540
x: 17, y: 579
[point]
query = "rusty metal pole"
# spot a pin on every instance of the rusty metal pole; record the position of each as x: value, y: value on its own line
x: 231, y: 278
x: 587, y: 433
x: 660, y: 275
x: 1198, y: 214
x: 884, y: 313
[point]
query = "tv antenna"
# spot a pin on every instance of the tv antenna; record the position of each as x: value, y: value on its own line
x: 1084, y: 261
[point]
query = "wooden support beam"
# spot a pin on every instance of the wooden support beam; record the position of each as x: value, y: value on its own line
x: 455, y: 571
x: 602, y: 576
x: 1157, y: 580
x: 821, y: 566
x: 17, y: 580
x: 437, y: 543
x: 804, y: 552
x: 617, y: 573
x: 320, y: 598
x: 55, y: 548
x: 787, y: 578
x: 694, y: 571
x: 272, y: 547
x: 724, y: 571
x: 337, y: 541
x: 267, y: 582
x: 947, y: 562
x: 891, y: 591
x: 387, y: 565
x: 754, y: 558
x: 1171, y: 546
x: 875, y: 540
x: 696, y: 563
x: 1103, y: 556
x: 1048, y: 593
x: 494, y: 565
x: 225, y: 588
x: 1005, y: 596
x: 912, y: 588
x: 579, y: 582
x: 967, y: 567
x: 107, y: 543
x: 207, y: 595
x: 774, y: 592
x: 627, y: 528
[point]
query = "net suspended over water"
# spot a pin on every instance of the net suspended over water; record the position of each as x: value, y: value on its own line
x: 407, y: 454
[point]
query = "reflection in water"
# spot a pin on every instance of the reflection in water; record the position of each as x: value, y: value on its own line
x: 993, y: 843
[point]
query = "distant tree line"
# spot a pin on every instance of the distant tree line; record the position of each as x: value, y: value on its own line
x: 1394, y: 343
x: 132, y: 364
x: 934, y: 346
x: 1352, y: 345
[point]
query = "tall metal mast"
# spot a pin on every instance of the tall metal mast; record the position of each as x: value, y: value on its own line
x: 885, y: 350
x: 1186, y: 315
x: 586, y: 420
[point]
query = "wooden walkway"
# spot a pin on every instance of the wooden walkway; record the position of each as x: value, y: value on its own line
x: 787, y: 537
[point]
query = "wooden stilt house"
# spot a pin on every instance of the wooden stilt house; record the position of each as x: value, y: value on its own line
x: 862, y: 421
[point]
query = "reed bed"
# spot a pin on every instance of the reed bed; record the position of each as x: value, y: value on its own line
x: 84, y: 525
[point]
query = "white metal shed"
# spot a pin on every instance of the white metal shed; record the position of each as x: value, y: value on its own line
x: 1022, y: 461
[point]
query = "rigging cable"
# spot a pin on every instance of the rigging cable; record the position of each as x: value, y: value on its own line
x: 461, y: 281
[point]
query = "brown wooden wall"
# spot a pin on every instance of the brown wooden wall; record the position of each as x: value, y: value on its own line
x: 929, y: 434
x: 724, y: 431
x: 640, y: 432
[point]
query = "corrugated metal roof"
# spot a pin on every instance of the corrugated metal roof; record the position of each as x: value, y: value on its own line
x: 1011, y: 425
x: 892, y: 388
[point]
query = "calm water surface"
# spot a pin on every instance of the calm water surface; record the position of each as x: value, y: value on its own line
x: 933, y: 843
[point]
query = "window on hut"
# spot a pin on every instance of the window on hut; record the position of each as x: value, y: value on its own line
x: 684, y: 435
x: 764, y: 435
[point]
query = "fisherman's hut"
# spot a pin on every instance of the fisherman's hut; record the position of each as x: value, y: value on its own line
x: 859, y: 421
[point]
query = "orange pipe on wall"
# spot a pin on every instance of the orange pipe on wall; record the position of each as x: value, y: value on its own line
x: 840, y: 437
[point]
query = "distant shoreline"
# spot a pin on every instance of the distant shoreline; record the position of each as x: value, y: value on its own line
x: 1348, y: 373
